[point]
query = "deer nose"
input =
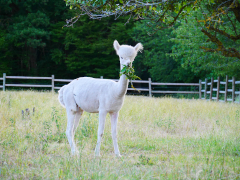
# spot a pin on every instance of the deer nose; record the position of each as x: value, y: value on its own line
x: 128, y: 63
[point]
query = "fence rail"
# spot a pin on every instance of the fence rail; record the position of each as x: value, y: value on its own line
x: 177, y: 84
x: 54, y: 87
x: 26, y: 77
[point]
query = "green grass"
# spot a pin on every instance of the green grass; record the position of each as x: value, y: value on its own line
x: 159, y: 138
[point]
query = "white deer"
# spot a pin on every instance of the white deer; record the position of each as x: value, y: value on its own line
x: 97, y: 96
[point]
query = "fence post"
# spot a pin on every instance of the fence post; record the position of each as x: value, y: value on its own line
x: 218, y: 88
x: 150, y: 87
x: 239, y: 97
x: 52, y: 83
x: 200, y: 89
x: 205, y: 93
x: 4, y: 81
x: 226, y: 88
x: 233, y: 89
x: 211, y: 88
x: 101, y: 77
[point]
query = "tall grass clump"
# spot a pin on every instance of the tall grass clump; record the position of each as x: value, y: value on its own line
x: 160, y: 138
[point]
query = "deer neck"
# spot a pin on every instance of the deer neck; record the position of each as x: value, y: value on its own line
x: 122, y: 85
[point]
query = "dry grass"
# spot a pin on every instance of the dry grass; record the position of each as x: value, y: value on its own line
x: 159, y: 138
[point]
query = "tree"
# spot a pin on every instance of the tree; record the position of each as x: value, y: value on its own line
x: 187, y: 52
x: 87, y: 49
x: 155, y: 59
x: 26, y: 28
x: 219, y: 16
x: 34, y: 42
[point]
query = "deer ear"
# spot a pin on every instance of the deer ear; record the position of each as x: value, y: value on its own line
x: 138, y: 47
x: 116, y: 45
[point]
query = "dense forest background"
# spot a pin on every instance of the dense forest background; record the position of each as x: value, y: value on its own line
x: 33, y: 42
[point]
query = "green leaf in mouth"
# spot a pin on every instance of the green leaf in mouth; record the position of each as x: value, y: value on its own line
x: 129, y: 72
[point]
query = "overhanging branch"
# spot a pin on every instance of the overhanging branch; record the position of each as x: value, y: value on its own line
x: 227, y: 52
x: 129, y: 7
x: 234, y: 38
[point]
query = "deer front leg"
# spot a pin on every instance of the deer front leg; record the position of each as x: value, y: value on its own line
x: 114, y: 119
x: 102, y: 118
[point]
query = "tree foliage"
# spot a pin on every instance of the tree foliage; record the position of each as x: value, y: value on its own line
x: 187, y: 49
x: 26, y: 33
x: 34, y: 42
x: 155, y: 59
x: 219, y: 17
x: 87, y: 48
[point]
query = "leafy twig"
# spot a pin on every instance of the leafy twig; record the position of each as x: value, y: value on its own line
x: 129, y: 72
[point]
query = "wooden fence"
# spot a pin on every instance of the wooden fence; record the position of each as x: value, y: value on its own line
x: 205, y: 92
x: 209, y: 89
x: 148, y: 89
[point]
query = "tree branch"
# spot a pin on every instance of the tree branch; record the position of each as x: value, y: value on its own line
x: 229, y: 52
x: 175, y: 18
x: 234, y: 38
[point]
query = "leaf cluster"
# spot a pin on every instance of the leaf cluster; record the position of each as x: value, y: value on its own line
x: 186, y: 49
x: 129, y: 72
x: 155, y: 62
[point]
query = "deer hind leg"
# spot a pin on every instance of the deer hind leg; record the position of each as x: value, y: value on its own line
x: 102, y: 118
x: 114, y: 119
x: 73, y: 121
x: 73, y: 116
x: 78, y: 115
x: 70, y: 130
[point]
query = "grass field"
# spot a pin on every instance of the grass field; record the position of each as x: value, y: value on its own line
x: 159, y: 138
